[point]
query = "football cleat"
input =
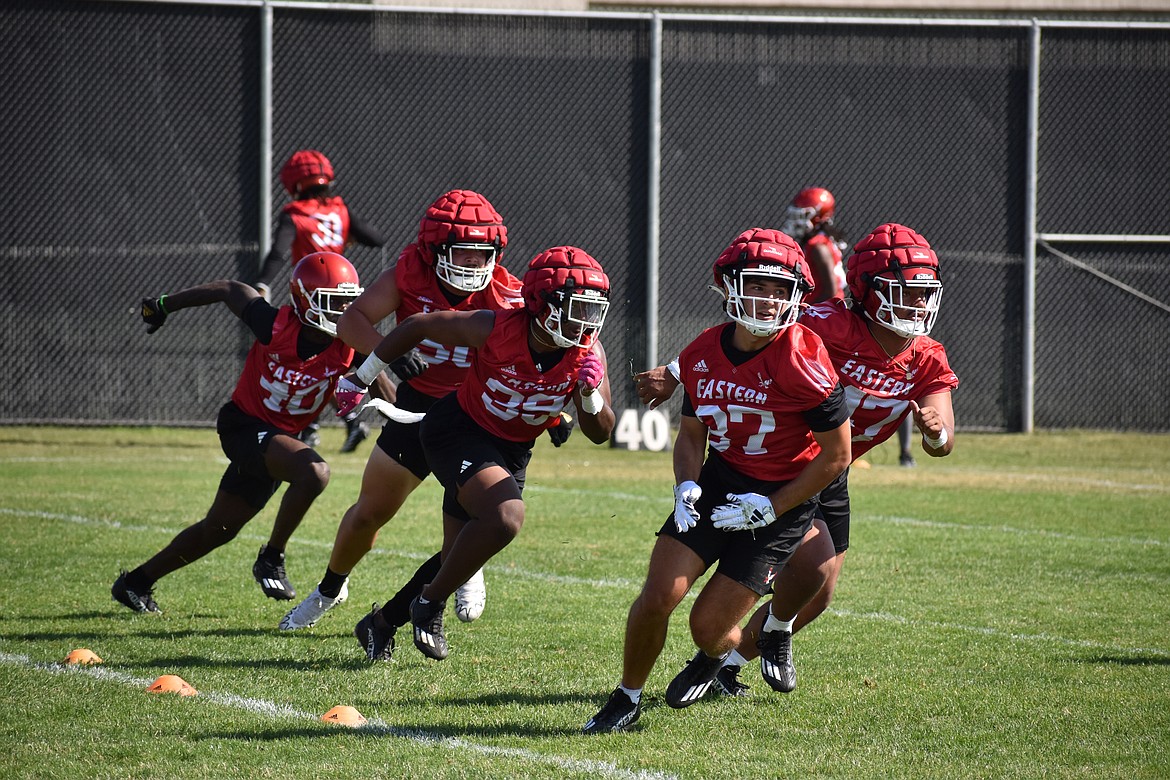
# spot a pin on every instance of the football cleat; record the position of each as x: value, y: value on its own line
x: 139, y: 601
x: 427, y: 620
x: 727, y: 682
x: 376, y: 636
x: 272, y: 578
x: 618, y: 714
x: 357, y: 431
x: 907, y: 460
x: 471, y: 597
x: 693, y: 682
x: 308, y: 612
x: 776, y: 660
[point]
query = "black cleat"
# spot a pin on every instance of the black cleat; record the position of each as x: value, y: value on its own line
x: 907, y: 460
x: 139, y: 601
x: 376, y: 636
x: 272, y: 578
x: 618, y: 714
x: 693, y: 682
x: 776, y: 660
x: 356, y: 433
x: 727, y: 682
x: 427, y: 620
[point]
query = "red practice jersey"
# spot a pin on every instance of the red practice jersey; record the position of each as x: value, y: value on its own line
x: 754, y: 411
x: 419, y: 290
x: 879, y: 388
x: 279, y: 387
x: 838, y: 265
x: 322, y: 226
x: 505, y: 393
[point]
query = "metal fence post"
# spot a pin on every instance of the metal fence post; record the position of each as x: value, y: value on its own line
x: 265, y: 150
x: 653, y: 202
x: 1028, y: 389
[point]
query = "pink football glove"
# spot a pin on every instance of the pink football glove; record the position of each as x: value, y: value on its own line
x: 349, y: 396
x: 590, y: 373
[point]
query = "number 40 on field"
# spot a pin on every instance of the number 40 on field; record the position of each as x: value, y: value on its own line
x: 639, y: 429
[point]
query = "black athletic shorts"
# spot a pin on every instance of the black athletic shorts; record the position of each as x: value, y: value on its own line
x: 401, y: 440
x: 751, y: 558
x: 834, y: 510
x: 244, y: 440
x: 457, y: 447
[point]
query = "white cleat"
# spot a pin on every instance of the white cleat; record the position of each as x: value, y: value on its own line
x: 471, y: 598
x: 308, y: 612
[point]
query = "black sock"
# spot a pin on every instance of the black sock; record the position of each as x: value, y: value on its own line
x: 397, y: 609
x: 139, y: 582
x: 331, y: 583
x: 271, y: 554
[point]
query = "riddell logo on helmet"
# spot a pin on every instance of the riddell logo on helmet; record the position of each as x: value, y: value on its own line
x: 927, y: 275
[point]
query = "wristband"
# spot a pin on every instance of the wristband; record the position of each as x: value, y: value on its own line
x: 938, y: 443
x: 591, y: 403
x: 370, y: 368
x: 162, y: 303
x: 672, y: 367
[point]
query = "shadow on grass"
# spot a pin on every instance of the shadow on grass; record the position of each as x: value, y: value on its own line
x: 1130, y: 660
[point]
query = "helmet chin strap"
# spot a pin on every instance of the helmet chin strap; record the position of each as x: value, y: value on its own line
x: 541, y: 335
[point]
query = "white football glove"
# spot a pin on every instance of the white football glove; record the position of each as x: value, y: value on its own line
x: 685, y: 514
x: 746, y: 512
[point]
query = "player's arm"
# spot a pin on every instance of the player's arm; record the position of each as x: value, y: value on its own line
x: 828, y: 464
x: 454, y: 328
x: 363, y: 232
x: 689, y: 448
x: 593, y: 397
x: 236, y: 295
x: 935, y: 418
x: 657, y: 385
x: 356, y: 326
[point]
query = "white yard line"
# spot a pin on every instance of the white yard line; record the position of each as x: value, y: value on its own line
x: 373, y: 726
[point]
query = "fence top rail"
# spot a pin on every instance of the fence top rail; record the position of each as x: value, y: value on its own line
x: 885, y: 21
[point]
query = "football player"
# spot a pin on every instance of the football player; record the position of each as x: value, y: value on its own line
x: 879, y: 342
x: 809, y: 220
x: 454, y: 265
x: 764, y: 402
x: 290, y: 372
x: 317, y: 220
x: 524, y: 366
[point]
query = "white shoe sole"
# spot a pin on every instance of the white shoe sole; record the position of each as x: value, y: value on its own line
x: 290, y: 622
x: 471, y: 598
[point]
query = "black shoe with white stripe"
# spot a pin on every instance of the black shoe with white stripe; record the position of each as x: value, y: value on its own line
x: 269, y: 572
x: 776, y: 660
x: 693, y: 682
x: 618, y: 714
x: 427, y: 620
x: 376, y: 636
x: 137, y: 600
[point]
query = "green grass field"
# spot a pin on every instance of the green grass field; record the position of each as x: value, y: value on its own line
x: 1003, y: 613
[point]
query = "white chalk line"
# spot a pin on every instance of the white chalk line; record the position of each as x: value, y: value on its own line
x: 374, y: 726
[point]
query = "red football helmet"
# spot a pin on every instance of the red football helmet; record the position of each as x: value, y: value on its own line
x: 567, y: 292
x: 893, y: 275
x: 322, y: 285
x: 811, y: 208
x: 756, y: 255
x: 462, y: 219
x: 306, y: 168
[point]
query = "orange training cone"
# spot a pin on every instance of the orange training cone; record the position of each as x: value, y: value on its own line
x: 82, y: 655
x: 344, y: 715
x: 171, y: 683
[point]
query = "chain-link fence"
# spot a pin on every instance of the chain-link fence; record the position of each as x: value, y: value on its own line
x: 136, y: 143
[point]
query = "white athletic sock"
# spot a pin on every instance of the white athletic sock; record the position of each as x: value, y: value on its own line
x: 772, y: 624
x: 734, y: 659
x: 635, y: 694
